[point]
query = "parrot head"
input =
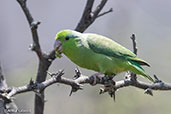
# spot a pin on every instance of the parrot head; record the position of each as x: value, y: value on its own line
x: 64, y: 39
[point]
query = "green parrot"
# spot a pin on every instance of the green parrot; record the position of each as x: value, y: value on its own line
x: 98, y: 53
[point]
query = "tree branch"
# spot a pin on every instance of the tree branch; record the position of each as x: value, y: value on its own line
x: 110, y: 10
x: 80, y: 79
x: 33, y: 26
x: 134, y: 44
x: 90, y: 16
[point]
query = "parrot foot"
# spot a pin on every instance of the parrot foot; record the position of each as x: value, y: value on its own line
x: 109, y: 86
x: 96, y: 77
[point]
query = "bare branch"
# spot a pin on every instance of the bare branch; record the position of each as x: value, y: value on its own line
x: 133, y: 76
x: 98, y: 9
x: 134, y: 44
x: 76, y: 84
x: 33, y: 26
x: 110, y: 10
x: 90, y: 16
x: 86, y: 17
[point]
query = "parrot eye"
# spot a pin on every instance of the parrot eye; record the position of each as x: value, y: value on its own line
x: 66, y: 38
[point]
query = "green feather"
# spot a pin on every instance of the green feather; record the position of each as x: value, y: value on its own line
x: 137, y: 69
x: 104, y: 45
x: 139, y: 61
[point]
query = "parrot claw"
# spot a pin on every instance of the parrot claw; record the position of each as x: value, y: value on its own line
x: 111, y: 91
x: 102, y: 90
x: 112, y: 94
x: 109, y: 86
x: 96, y: 77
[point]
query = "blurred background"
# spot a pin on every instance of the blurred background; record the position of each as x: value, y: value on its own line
x: 148, y: 19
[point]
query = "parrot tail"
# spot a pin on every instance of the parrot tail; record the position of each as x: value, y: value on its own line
x: 139, y: 61
x: 137, y: 69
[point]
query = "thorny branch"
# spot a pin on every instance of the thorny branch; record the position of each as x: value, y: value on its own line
x: 90, y: 16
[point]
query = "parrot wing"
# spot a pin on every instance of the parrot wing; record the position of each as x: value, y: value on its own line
x: 106, y: 46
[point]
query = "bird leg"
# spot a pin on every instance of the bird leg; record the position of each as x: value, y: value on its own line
x: 107, y: 80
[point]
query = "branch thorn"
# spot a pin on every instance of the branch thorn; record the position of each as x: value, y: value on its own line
x: 149, y: 91
x: 60, y: 73
x: 156, y: 79
x: 77, y: 73
x: 31, y: 84
x: 75, y: 88
x: 102, y: 91
x: 34, y: 25
x: 32, y: 47
x: 56, y: 75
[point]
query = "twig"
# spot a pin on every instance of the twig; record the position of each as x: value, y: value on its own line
x: 110, y: 10
x: 132, y: 75
x: 98, y: 9
x: 86, y: 17
x: 5, y: 103
x: 134, y: 44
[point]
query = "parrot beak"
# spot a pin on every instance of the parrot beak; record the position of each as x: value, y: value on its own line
x: 58, y: 46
